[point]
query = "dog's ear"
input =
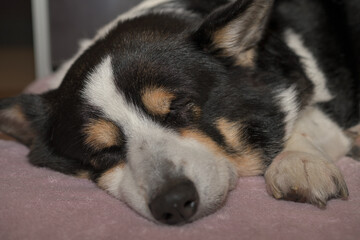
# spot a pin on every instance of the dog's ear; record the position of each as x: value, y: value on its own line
x: 23, y: 117
x: 235, y: 29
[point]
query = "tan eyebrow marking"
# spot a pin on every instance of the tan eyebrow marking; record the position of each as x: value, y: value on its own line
x: 100, y: 134
x: 157, y: 100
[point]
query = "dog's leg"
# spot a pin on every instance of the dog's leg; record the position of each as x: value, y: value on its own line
x: 305, y: 170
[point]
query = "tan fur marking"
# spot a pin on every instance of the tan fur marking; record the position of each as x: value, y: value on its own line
x: 108, y: 178
x: 101, y: 134
x: 83, y: 174
x: 6, y: 137
x: 197, y: 112
x: 94, y: 163
x: 239, y: 37
x: 15, y: 124
x: 231, y: 132
x: 246, y: 59
x: 225, y: 40
x: 157, y: 100
x: 247, y: 164
x: 14, y: 113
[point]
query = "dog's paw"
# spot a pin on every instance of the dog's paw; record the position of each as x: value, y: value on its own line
x: 303, y: 177
x: 354, y: 135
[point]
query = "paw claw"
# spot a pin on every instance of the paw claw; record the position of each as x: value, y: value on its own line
x: 320, y: 204
x: 277, y: 194
x: 344, y: 193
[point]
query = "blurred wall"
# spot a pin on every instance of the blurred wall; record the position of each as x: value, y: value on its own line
x: 15, y: 23
x: 71, y: 20
x: 16, y: 51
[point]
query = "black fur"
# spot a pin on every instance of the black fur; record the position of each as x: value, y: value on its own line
x: 323, y: 26
x: 176, y: 52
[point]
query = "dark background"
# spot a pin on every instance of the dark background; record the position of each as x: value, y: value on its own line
x: 82, y: 19
x: 16, y: 48
x: 70, y: 20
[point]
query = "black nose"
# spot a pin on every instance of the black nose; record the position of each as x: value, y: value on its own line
x: 176, y: 203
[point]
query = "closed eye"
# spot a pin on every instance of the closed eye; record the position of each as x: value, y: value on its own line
x: 108, y: 157
x: 182, y: 113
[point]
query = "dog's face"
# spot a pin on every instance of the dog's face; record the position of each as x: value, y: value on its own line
x: 147, y: 112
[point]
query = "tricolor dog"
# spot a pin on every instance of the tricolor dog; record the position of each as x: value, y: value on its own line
x: 173, y: 101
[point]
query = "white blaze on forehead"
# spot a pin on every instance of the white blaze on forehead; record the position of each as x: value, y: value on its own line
x: 100, y: 91
x: 310, y: 64
x: 289, y: 106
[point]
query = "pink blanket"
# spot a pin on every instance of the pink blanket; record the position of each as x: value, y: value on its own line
x: 37, y: 203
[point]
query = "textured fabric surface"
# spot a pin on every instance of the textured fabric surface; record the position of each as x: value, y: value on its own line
x: 37, y: 203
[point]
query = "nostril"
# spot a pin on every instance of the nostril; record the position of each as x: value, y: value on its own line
x: 189, y: 204
x: 176, y: 203
x: 167, y: 216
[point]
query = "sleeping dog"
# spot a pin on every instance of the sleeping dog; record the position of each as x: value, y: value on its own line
x: 173, y: 101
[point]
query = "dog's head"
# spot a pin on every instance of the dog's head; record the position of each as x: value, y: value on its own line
x: 160, y: 112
